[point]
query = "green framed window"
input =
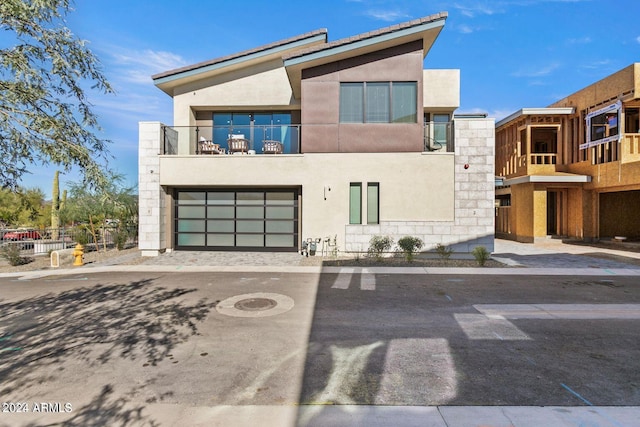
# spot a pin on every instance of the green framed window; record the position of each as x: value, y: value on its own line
x: 373, y: 203
x: 355, y: 203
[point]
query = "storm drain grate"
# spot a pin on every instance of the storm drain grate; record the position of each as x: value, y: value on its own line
x: 255, y: 304
x: 259, y: 304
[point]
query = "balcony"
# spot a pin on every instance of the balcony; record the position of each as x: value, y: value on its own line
x: 206, y: 140
x: 271, y: 140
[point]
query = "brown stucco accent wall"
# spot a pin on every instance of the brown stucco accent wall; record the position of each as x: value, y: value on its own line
x: 322, y: 131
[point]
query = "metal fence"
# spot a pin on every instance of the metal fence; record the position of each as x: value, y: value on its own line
x: 43, y: 241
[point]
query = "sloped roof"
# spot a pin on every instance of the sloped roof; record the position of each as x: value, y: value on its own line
x: 369, y: 35
x: 308, y: 50
x: 426, y: 29
x: 164, y: 79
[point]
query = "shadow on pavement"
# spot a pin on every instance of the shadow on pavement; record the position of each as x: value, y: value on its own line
x: 419, y: 341
x: 61, y: 336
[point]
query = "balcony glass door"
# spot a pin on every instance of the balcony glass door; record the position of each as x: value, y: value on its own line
x: 257, y: 128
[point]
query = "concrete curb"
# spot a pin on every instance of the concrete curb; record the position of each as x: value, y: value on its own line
x: 331, y: 270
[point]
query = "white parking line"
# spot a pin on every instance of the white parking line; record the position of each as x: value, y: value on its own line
x: 367, y: 281
x: 560, y: 311
x: 344, y: 279
x: 481, y: 327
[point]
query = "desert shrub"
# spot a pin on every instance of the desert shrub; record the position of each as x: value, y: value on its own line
x: 121, y: 237
x: 81, y: 236
x: 409, y: 246
x: 378, y: 245
x: 481, y: 254
x: 11, y: 252
x: 444, y: 252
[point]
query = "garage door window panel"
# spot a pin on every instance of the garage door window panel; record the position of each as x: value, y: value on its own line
x: 246, y: 212
x: 279, y: 240
x: 190, y: 239
x: 252, y: 240
x: 221, y: 226
x: 250, y: 226
x: 279, y: 227
x: 192, y: 225
x: 221, y: 240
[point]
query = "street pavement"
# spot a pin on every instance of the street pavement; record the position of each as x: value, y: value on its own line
x: 207, y: 339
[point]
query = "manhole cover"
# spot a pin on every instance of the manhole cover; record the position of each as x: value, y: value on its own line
x: 259, y: 304
x: 255, y: 304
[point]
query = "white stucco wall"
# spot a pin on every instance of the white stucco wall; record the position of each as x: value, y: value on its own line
x: 441, y: 89
x: 413, y: 186
x: 265, y: 85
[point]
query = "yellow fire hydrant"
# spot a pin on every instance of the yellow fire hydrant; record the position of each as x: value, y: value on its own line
x: 78, y: 254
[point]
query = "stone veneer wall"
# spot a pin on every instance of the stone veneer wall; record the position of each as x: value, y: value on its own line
x: 151, y: 228
x: 474, y: 215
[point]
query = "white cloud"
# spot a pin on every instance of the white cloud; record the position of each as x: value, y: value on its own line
x: 594, y: 65
x: 638, y: 39
x: 138, y: 66
x: 540, y: 72
x: 474, y: 9
x: 464, y: 29
x: 581, y: 40
x: 387, y: 15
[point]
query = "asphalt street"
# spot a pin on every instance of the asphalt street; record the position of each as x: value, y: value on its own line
x: 208, y: 348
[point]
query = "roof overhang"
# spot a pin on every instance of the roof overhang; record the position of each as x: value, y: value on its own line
x: 426, y: 29
x: 558, y: 111
x: 549, y: 179
x: 169, y: 80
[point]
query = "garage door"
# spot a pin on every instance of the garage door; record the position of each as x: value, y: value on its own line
x: 236, y: 220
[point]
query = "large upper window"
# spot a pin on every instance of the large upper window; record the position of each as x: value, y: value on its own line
x: 602, y: 126
x: 378, y: 102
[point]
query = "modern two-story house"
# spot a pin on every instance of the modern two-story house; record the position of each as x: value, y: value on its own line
x: 305, y: 140
x: 573, y: 169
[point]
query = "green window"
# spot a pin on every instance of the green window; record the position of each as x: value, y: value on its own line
x: 373, y: 203
x: 355, y: 203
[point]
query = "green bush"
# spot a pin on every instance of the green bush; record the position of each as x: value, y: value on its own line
x: 11, y: 252
x: 481, y: 254
x: 121, y: 238
x: 378, y: 245
x: 409, y: 246
x: 443, y: 251
x: 81, y: 236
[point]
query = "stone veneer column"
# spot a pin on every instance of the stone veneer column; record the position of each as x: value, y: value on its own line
x: 151, y: 214
x: 475, y: 184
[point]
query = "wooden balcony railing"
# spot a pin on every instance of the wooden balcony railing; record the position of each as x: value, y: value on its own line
x: 630, y: 148
x: 543, y: 158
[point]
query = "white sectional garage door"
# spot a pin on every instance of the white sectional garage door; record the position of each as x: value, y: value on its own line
x: 231, y: 219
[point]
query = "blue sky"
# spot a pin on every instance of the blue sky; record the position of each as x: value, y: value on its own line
x: 512, y: 54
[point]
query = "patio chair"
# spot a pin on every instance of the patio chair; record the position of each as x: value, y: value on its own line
x: 208, y: 147
x: 272, y: 147
x: 238, y: 144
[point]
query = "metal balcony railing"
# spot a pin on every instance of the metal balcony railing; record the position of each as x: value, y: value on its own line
x: 275, y: 139
x: 271, y: 139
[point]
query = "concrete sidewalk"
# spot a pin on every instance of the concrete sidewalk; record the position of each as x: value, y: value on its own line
x: 545, y: 257
x: 402, y: 416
